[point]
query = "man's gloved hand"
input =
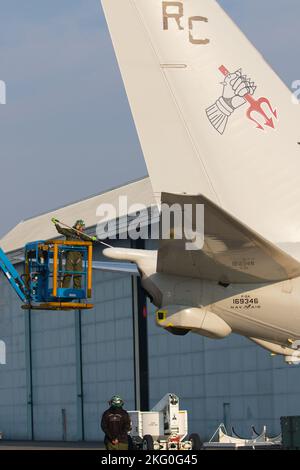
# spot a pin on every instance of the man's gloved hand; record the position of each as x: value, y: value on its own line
x: 94, y: 239
x: 236, y: 87
x: 54, y: 220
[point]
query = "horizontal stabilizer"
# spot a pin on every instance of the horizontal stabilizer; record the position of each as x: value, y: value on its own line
x: 276, y: 348
x: 129, y: 268
x: 232, y: 252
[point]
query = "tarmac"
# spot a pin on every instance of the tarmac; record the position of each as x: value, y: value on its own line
x: 42, y: 445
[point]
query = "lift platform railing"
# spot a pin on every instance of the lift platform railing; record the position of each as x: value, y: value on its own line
x: 40, y: 287
x: 87, y: 260
x: 62, y: 273
x: 45, y: 264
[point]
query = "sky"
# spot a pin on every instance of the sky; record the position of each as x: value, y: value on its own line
x: 66, y: 130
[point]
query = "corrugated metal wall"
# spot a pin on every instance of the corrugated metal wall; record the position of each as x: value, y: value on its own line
x: 13, y: 393
x: 53, y: 375
x: 107, y: 349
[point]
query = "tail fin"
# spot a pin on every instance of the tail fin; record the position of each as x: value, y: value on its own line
x: 211, y: 115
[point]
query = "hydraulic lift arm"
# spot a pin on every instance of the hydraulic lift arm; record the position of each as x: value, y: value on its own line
x: 13, y: 276
x: 169, y: 406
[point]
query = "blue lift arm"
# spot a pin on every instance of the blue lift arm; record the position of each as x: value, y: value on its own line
x: 13, y: 276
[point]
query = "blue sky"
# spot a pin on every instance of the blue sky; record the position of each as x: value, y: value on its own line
x: 67, y: 132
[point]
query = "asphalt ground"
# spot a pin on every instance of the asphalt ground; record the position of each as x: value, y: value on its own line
x: 40, y: 445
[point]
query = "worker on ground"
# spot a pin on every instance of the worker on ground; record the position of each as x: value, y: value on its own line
x: 116, y: 424
x: 74, y: 259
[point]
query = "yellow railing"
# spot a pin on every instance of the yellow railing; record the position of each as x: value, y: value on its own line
x: 56, y: 243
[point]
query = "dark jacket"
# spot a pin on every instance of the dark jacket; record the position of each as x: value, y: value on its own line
x: 116, y: 424
x: 71, y: 234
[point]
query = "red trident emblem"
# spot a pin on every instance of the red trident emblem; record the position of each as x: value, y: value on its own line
x: 256, y: 106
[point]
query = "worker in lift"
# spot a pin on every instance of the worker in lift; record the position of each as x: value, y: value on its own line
x: 74, y: 259
x: 116, y: 424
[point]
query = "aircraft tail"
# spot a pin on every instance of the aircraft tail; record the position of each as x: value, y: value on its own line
x: 212, y: 116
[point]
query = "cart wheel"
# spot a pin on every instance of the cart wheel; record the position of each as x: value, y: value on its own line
x: 196, y: 441
x: 148, y: 442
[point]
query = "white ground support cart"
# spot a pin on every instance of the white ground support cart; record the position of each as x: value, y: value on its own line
x: 165, y: 427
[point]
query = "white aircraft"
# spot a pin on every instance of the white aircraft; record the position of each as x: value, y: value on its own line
x: 219, y: 128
